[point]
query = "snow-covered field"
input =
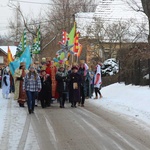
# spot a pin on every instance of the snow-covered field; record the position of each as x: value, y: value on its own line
x: 131, y: 101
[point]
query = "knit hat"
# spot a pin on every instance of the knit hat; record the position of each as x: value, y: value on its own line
x: 82, y: 61
x: 74, y: 67
x: 22, y: 64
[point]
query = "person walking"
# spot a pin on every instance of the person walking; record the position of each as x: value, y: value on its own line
x: 6, y: 84
x: 74, y: 86
x: 19, y: 75
x: 62, y: 85
x: 83, y: 89
x: 32, y: 85
x: 46, y: 91
x: 97, y: 81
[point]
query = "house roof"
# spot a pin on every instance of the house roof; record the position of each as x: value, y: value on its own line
x: 3, y: 51
x: 112, y: 11
x: 12, y: 49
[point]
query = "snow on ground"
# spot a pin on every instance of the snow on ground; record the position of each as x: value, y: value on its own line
x: 128, y: 100
x: 133, y: 101
x: 12, y: 121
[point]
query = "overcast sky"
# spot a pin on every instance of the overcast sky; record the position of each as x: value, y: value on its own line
x: 6, y: 13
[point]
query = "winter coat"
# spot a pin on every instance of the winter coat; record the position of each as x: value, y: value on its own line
x: 31, y: 84
x: 17, y: 78
x: 74, y: 87
x: 6, y: 84
x: 46, y: 87
x: 97, y: 77
x: 62, y: 82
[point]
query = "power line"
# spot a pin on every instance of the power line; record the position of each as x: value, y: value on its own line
x: 50, y: 3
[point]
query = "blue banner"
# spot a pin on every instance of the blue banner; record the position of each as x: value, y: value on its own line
x: 25, y: 57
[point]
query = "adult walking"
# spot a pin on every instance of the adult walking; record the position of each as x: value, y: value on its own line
x: 74, y: 86
x: 32, y: 85
x: 46, y: 90
x: 83, y: 89
x: 6, y: 84
x: 62, y: 85
x: 19, y: 74
x: 97, y: 80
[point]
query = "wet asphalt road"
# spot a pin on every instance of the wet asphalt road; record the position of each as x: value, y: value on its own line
x: 88, y: 128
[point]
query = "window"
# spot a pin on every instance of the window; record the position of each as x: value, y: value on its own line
x: 1, y: 59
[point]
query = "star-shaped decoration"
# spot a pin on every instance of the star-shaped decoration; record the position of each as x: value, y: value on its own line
x: 66, y: 49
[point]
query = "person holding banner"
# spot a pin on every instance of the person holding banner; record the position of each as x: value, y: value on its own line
x: 19, y: 75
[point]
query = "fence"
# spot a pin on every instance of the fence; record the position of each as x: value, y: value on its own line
x: 137, y: 73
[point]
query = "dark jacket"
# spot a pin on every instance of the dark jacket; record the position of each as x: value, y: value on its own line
x: 74, y: 93
x: 46, y: 85
x: 62, y: 82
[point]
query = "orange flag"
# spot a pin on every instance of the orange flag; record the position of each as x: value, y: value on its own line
x: 9, y: 56
x: 79, y: 50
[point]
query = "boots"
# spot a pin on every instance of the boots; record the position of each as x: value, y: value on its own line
x: 96, y: 97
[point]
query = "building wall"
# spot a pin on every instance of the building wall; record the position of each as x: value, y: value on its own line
x: 3, y: 59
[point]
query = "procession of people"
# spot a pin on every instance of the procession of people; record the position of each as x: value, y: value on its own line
x: 47, y: 83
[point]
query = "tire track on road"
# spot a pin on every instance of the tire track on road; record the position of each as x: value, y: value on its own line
x: 41, y: 130
x: 25, y: 132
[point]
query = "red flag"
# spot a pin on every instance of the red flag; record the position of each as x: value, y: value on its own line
x: 76, y: 43
x: 64, y: 37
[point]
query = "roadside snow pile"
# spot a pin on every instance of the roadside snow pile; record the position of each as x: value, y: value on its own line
x: 110, y: 67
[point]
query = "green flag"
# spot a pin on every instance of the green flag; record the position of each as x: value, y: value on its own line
x: 36, y: 47
x: 22, y: 45
x: 72, y: 33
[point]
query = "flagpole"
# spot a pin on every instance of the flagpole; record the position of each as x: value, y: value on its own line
x: 72, y: 59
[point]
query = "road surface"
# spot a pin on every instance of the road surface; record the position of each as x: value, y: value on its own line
x: 88, y: 128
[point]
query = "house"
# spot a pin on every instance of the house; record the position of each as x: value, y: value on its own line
x: 3, y: 54
x: 132, y: 28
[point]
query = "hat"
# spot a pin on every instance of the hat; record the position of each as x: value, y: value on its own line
x: 22, y: 64
x: 61, y: 66
x: 43, y: 59
x: 36, y: 62
x: 43, y: 68
x: 31, y: 67
x: 74, y: 67
x: 82, y: 61
x: 48, y: 58
x: 74, y: 64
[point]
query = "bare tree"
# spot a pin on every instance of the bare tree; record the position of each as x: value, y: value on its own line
x: 109, y: 37
x: 145, y: 8
x: 65, y: 11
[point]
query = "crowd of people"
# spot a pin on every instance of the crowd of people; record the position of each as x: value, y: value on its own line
x: 44, y: 82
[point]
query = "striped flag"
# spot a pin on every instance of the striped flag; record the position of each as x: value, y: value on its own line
x: 36, y: 47
x: 76, y: 43
x: 22, y: 45
x: 64, y: 37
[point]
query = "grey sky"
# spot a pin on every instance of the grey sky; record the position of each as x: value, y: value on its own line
x: 6, y: 13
